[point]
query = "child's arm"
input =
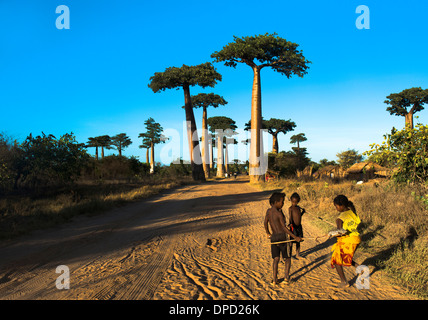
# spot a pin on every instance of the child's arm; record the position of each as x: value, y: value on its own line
x: 266, y: 224
x: 298, y: 239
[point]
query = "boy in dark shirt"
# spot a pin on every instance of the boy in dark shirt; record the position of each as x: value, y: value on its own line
x: 295, y: 218
x: 276, y: 220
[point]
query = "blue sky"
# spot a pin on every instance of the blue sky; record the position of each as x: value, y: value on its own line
x: 92, y: 79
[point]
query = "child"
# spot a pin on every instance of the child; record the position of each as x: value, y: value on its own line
x: 348, y: 238
x: 295, y: 218
x: 275, y: 218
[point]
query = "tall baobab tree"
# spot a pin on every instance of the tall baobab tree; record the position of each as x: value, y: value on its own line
x: 413, y: 98
x: 205, y: 100
x: 271, y: 51
x: 203, y: 75
x: 224, y: 127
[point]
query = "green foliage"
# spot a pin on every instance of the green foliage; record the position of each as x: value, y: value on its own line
x: 203, y: 75
x: 297, y: 138
x: 413, y: 97
x: 120, y: 142
x: 47, y: 161
x: 114, y: 168
x: 348, y: 158
x: 287, y: 163
x: 204, y: 100
x: 269, y: 50
x: 153, y: 134
x: 407, y: 150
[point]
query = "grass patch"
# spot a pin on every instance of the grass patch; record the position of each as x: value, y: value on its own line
x: 21, y: 214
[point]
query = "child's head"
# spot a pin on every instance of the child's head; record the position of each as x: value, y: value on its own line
x: 342, y: 203
x: 295, y: 199
x: 277, y: 199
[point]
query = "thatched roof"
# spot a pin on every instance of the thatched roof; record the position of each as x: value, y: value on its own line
x: 329, y: 169
x: 365, y: 166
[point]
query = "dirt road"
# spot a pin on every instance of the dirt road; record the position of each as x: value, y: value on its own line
x: 195, y: 242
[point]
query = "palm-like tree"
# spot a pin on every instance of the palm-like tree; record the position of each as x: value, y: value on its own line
x: 120, y: 142
x: 297, y: 138
x: 152, y: 136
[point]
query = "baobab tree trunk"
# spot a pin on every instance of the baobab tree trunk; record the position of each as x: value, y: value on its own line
x: 409, y: 120
x: 220, y: 162
x: 147, y: 155
x: 205, y: 152
x: 96, y: 153
x: 226, y: 161
x: 192, y: 134
x: 152, y: 158
x: 275, y: 143
x: 256, y: 124
x: 211, y: 153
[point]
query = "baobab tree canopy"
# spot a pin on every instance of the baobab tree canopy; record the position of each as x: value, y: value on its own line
x: 205, y: 100
x: 413, y: 98
x: 269, y: 50
x: 203, y: 75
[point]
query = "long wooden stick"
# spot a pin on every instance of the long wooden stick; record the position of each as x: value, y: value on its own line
x: 295, y: 240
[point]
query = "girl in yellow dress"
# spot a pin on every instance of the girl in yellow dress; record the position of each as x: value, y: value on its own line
x: 348, y: 238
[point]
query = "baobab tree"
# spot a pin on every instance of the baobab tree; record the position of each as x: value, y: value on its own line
x: 93, y: 143
x: 203, y: 75
x: 224, y: 127
x: 413, y: 98
x: 274, y: 127
x: 153, y: 135
x: 120, y: 142
x: 268, y: 50
x: 104, y: 142
x: 205, y: 100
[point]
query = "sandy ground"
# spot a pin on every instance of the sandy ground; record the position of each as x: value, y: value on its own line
x: 195, y: 242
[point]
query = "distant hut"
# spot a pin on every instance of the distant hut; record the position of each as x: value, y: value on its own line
x: 333, y: 172
x: 364, y: 171
x: 307, y: 172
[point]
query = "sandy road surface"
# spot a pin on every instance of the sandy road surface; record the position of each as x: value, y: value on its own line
x: 195, y: 242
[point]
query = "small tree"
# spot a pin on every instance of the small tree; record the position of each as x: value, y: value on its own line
x: 413, y: 98
x: 203, y: 75
x: 120, y: 142
x: 407, y: 151
x: 297, y: 138
x: 348, y: 158
x: 93, y: 143
x: 46, y: 160
x: 103, y: 142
